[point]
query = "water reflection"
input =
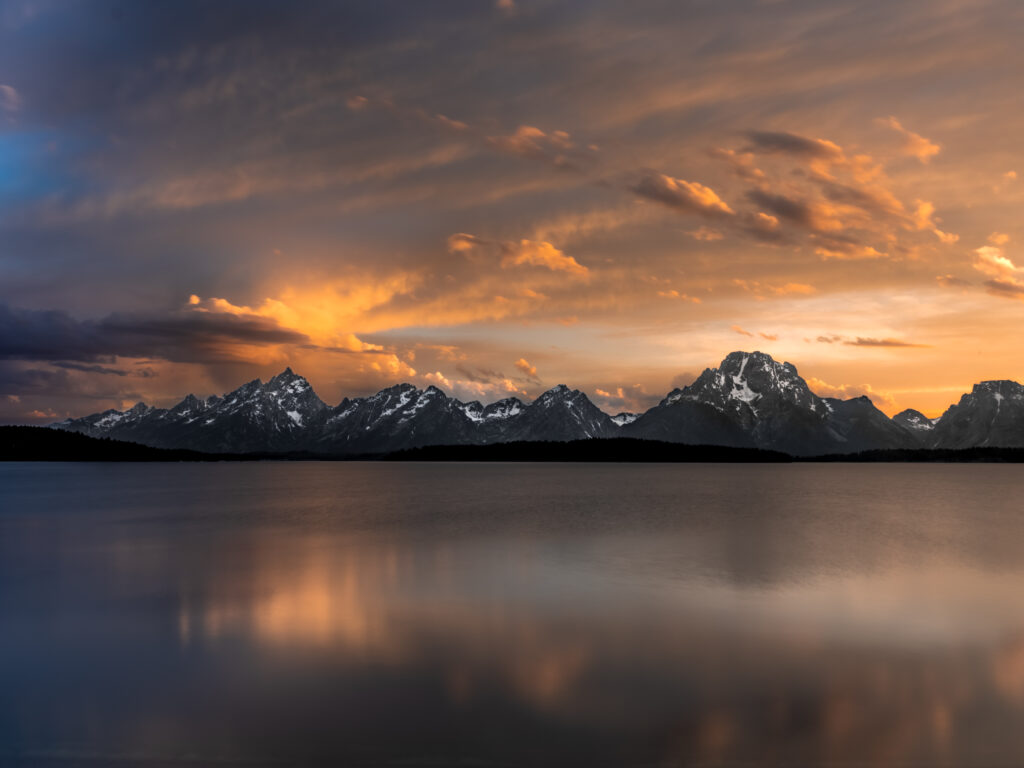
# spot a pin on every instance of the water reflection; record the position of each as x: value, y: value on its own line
x: 719, y: 615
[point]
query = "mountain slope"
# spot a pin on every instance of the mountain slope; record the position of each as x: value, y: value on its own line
x: 991, y: 414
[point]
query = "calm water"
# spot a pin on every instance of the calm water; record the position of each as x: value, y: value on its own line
x: 376, y: 614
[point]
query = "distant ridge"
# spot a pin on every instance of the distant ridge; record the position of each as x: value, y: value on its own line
x: 749, y: 401
x: 42, y: 444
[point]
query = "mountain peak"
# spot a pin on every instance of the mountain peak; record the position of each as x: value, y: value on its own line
x: 756, y: 359
x: 914, y: 420
x: 189, y: 402
x: 751, y: 385
x: 559, y: 392
x: 289, y: 381
x: 1003, y: 387
x: 559, y: 389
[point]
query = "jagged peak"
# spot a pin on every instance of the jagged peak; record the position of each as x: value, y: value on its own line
x: 504, y: 404
x: 287, y: 378
x: 249, y: 386
x: 189, y: 401
x: 395, y: 390
x: 512, y: 400
x: 504, y: 408
x: 743, y: 360
x: 742, y: 380
x: 558, y: 391
x: 739, y: 355
x: 1000, y: 386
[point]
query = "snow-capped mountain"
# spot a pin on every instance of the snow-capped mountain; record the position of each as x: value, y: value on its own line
x: 398, y: 417
x: 991, y: 414
x: 275, y: 416
x: 285, y: 414
x: 559, y: 414
x: 916, y: 423
x: 749, y: 400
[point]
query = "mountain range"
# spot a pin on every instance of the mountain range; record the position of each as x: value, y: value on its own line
x: 749, y: 401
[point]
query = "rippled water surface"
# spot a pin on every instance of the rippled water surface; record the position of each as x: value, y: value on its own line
x: 515, y: 614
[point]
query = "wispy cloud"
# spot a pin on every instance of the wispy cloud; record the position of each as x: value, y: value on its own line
x: 10, y: 99
x: 914, y: 144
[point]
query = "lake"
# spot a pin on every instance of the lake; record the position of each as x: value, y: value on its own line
x: 511, y: 614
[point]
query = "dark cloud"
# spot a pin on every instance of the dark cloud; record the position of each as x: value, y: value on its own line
x: 783, y: 142
x: 186, y: 336
x: 792, y: 209
x: 479, y: 375
x: 863, y: 342
x: 29, y: 382
x: 17, y: 380
x: 865, y: 199
x: 142, y: 373
x: 1004, y: 288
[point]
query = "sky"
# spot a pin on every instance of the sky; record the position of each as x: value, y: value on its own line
x: 495, y: 197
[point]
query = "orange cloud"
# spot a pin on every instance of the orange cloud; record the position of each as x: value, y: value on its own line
x: 317, y: 317
x: 49, y: 413
x: 536, y: 253
x: 1006, y: 279
x: 762, y: 290
x: 741, y: 163
x: 849, y: 252
x: 914, y: 145
x: 541, y: 254
x: 923, y: 220
x: 526, y: 140
x: 706, y: 234
x: 674, y: 294
x: 439, y: 379
x: 884, y: 400
x: 530, y: 371
x: 681, y: 194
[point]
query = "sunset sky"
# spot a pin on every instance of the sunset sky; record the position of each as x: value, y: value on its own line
x: 497, y: 197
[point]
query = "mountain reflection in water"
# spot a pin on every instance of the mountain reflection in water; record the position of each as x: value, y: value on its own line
x: 517, y: 614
